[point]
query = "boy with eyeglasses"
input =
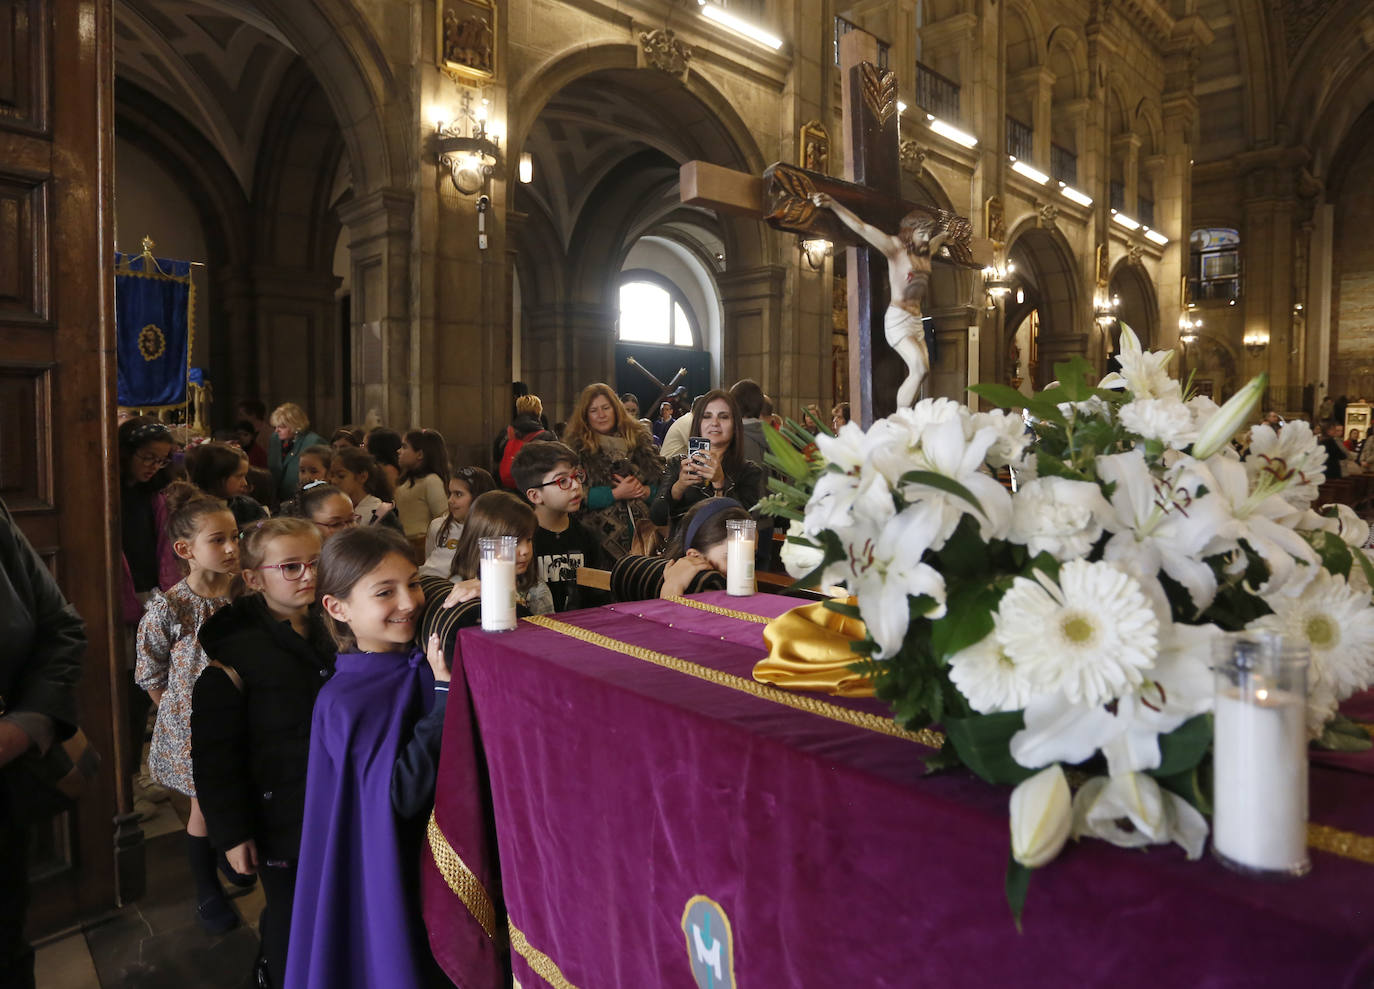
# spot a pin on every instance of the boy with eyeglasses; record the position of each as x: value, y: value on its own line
x: 552, y: 481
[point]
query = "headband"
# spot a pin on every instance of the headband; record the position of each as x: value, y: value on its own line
x: 147, y: 432
x: 714, y: 506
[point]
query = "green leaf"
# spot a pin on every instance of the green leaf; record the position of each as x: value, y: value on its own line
x: 1074, y: 375
x: 1018, y: 884
x: 946, y: 758
x: 968, y: 619
x: 783, y: 488
x: 1335, y: 554
x: 1340, y: 734
x: 1192, y: 786
x: 1183, y: 748
x: 982, y: 742
x: 787, y: 457
x: 1362, y: 558
x: 842, y: 608
x: 1002, y: 396
x: 946, y: 484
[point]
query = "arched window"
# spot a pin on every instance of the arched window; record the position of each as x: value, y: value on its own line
x: 652, y: 311
x: 1214, y: 264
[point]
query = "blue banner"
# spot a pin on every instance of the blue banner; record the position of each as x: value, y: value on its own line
x: 153, y: 301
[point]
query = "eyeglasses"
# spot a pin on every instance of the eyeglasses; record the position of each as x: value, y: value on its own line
x: 567, y: 481
x: 347, y: 523
x: 152, y: 460
x: 294, y: 570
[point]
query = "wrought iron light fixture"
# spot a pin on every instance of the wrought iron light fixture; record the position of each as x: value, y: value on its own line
x: 997, y: 281
x: 1104, y: 307
x: 469, y: 148
x: 1256, y: 341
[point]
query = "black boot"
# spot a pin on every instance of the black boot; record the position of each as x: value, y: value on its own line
x: 212, y: 908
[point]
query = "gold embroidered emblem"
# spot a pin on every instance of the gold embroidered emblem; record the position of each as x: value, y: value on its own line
x: 151, y: 343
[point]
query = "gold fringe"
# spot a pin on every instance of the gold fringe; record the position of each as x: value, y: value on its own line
x: 1347, y: 844
x: 801, y: 702
x: 543, y: 965
x: 460, y: 878
x: 715, y: 609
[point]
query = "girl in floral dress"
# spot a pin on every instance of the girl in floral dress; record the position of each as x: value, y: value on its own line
x: 204, y: 536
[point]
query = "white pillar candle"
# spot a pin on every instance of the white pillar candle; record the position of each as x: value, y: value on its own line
x: 1260, y: 780
x: 497, y: 572
x: 742, y: 538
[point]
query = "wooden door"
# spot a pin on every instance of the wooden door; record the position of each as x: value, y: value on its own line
x: 57, y: 380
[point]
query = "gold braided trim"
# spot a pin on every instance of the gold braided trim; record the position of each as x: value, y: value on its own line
x: 809, y: 703
x: 1347, y: 844
x: 543, y: 965
x: 460, y: 879
x: 715, y: 609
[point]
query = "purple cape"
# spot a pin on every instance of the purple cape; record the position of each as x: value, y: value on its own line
x: 356, y: 919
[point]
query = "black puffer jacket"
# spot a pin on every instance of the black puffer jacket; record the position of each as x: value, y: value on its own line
x: 249, y: 746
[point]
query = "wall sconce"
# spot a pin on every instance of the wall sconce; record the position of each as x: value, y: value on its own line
x: 468, y: 147
x: 814, y: 251
x: 1104, y: 307
x: 997, y: 281
x: 1188, y: 324
x: 526, y: 167
x: 1255, y: 341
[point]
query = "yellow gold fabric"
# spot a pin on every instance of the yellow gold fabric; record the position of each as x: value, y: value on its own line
x: 460, y: 879
x: 812, y: 648
x: 801, y: 702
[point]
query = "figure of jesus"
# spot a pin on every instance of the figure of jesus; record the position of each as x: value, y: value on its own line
x: 908, y: 254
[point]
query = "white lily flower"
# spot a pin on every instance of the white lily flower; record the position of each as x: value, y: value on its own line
x: 1145, y: 373
x: 1289, y: 462
x: 1132, y: 811
x: 1058, y: 516
x: 1041, y: 817
x: 885, y: 568
x: 1353, y: 530
x: 1161, y: 523
x: 1178, y: 687
x: 1264, y: 520
x: 948, y: 451
x: 799, y: 560
x: 1217, y: 426
x: 1012, y: 436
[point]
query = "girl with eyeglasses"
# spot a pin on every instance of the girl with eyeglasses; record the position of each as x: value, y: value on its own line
x: 270, y: 654
x: 466, y: 484
x: 328, y: 507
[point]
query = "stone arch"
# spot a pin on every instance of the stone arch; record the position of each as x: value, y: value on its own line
x: 1066, y: 57
x: 343, y: 52
x: 1139, y: 303
x: 1148, y: 125
x: 1048, y: 276
x: 1025, y: 37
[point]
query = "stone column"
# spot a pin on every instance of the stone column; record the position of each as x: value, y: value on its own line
x: 298, y: 341
x: 379, y: 230
x: 567, y: 347
x: 1269, y: 210
x: 1036, y: 85
x: 1126, y: 147
x: 1318, y: 305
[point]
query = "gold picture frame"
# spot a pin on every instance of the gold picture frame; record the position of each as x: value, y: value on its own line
x: 813, y: 147
x: 465, y: 39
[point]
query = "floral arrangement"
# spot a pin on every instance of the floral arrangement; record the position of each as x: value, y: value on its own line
x: 1070, y: 620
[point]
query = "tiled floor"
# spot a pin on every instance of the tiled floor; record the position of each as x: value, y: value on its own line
x: 157, y: 942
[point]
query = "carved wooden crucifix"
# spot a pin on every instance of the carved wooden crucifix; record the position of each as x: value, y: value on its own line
x: 871, y: 191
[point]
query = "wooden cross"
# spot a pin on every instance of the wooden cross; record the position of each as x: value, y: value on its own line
x: 871, y: 189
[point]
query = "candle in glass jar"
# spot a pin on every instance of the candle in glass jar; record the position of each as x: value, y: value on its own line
x: 497, y: 572
x: 1260, y: 791
x: 742, y: 537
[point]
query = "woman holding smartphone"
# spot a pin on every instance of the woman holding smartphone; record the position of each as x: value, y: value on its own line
x: 713, y: 466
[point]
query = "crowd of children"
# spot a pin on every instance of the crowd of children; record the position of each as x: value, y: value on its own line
x: 295, y: 643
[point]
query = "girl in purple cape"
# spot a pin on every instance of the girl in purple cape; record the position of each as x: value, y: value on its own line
x: 374, y: 754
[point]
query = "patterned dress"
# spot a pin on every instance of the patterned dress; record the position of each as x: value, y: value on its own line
x: 169, y: 659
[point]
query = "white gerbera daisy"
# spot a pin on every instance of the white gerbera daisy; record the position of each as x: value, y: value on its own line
x: 1090, y: 636
x: 988, y: 678
x: 1336, y: 623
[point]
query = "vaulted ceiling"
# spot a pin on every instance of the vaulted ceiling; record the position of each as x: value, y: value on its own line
x: 218, y: 62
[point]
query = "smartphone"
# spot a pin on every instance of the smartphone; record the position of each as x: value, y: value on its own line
x: 696, y: 445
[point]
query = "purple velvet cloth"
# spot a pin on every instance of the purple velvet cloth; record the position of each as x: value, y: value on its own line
x: 355, y: 920
x: 621, y: 789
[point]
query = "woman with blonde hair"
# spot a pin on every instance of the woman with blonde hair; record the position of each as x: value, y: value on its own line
x: 292, y: 427
x: 622, y: 466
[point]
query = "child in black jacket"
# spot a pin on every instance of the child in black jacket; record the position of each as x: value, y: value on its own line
x: 251, y: 710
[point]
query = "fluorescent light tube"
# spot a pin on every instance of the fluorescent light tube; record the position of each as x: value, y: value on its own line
x: 1124, y: 220
x: 1034, y: 174
x: 1074, y: 196
x: 951, y: 132
x: 725, y: 19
